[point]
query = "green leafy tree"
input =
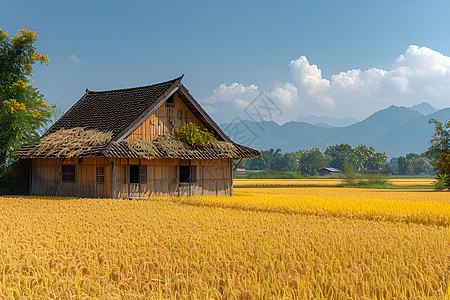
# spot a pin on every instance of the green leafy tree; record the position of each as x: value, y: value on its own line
x: 338, y: 154
x: 439, y: 150
x: 292, y: 161
x: 312, y: 161
x: 269, y: 160
x: 421, y: 165
x: 405, y: 166
x: 368, y: 159
x: 22, y: 109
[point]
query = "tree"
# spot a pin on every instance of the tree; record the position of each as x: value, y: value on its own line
x: 404, y: 166
x: 439, y: 151
x: 269, y: 160
x: 312, y: 161
x: 421, y: 165
x: 338, y: 154
x: 22, y: 109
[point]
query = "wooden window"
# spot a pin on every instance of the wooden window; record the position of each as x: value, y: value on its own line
x: 143, y: 174
x: 100, y: 174
x: 180, y: 114
x: 136, y: 174
x: 187, y: 174
x: 68, y: 173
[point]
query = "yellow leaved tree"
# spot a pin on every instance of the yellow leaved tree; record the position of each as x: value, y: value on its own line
x: 22, y: 108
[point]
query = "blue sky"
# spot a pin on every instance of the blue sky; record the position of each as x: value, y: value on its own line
x: 231, y: 51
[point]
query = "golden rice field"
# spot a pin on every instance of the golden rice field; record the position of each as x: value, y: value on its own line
x: 323, y: 182
x: 284, y: 243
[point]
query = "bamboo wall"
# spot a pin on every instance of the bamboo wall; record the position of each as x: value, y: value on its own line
x: 213, y: 177
x: 164, y: 120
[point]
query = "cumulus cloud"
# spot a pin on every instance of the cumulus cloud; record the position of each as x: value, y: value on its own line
x: 73, y: 58
x: 286, y: 94
x: 226, y: 99
x: 419, y: 74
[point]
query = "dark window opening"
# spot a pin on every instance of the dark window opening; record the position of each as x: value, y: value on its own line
x: 134, y: 174
x: 68, y: 173
x: 187, y: 174
x: 170, y: 101
x: 100, y: 174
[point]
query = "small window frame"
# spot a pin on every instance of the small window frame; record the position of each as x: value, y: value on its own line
x: 100, y: 174
x: 68, y: 173
x: 191, y: 176
x: 141, y: 174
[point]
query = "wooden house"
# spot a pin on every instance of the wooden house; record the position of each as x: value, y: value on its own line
x: 120, y: 144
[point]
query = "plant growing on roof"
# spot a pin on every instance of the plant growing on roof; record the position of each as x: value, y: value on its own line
x: 194, y: 135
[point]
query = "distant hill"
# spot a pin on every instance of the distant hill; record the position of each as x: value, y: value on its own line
x: 424, y: 108
x: 394, y: 130
x: 325, y: 121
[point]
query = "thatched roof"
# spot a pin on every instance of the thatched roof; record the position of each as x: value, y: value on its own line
x: 99, y: 123
x: 80, y: 142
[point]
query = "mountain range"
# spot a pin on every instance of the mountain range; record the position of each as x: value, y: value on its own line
x: 325, y: 121
x: 396, y: 130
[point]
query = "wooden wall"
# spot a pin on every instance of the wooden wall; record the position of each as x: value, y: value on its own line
x: 214, y: 177
x: 46, y: 178
x: 164, y: 120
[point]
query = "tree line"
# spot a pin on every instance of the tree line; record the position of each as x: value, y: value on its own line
x: 361, y: 158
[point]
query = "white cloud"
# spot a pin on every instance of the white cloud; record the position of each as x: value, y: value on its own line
x: 286, y: 94
x: 308, y: 76
x: 234, y: 92
x: 227, y: 99
x: 73, y: 58
x: 419, y: 74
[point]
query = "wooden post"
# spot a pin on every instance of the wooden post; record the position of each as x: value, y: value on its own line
x: 139, y: 188
x: 30, y: 180
x: 95, y: 178
x: 231, y: 170
x: 113, y: 180
x: 190, y: 177
x: 60, y: 178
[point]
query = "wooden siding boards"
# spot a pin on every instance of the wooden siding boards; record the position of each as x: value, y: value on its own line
x: 213, y: 178
x: 164, y: 119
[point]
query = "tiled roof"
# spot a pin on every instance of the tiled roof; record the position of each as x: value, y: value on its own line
x: 116, y: 112
x: 113, y: 110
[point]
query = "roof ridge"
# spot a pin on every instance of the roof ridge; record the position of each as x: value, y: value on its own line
x: 133, y: 88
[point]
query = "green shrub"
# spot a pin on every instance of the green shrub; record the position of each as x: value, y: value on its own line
x: 11, y: 185
x: 443, y: 182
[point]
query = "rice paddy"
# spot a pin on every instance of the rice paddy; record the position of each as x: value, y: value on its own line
x: 419, y: 182
x: 312, y: 243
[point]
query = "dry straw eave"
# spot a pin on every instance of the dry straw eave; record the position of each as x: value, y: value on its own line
x: 67, y: 143
x: 81, y: 142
